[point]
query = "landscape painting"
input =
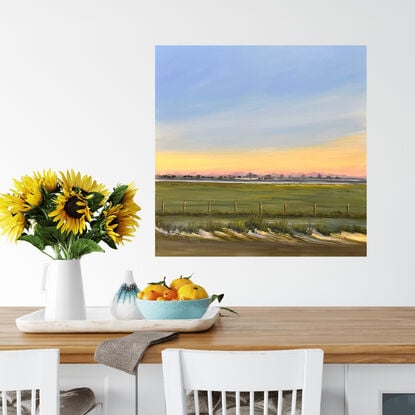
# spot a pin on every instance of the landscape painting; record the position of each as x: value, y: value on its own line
x: 260, y: 151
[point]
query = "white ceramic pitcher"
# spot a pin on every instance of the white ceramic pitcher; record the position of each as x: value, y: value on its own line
x: 62, y: 282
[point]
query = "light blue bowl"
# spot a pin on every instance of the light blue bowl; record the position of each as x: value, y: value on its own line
x: 173, y: 310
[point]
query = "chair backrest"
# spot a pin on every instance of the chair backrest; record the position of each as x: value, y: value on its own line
x: 236, y: 379
x: 30, y: 370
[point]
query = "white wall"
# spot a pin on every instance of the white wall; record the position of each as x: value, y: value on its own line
x: 77, y: 91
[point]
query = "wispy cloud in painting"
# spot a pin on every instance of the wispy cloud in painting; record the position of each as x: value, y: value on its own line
x: 268, y: 122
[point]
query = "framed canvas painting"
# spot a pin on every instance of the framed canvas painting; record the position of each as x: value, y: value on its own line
x: 260, y: 151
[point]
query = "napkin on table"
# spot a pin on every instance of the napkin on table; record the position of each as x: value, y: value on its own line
x: 124, y: 353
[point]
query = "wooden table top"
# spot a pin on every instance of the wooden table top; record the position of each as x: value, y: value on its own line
x: 346, y: 334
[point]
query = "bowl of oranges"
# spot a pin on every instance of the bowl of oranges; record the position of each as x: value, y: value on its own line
x: 181, y: 299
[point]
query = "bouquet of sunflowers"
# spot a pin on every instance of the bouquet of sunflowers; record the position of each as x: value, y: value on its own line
x: 68, y: 214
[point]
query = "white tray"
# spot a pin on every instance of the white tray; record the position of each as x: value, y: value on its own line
x: 100, y: 320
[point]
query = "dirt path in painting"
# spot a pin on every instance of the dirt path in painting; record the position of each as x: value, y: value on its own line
x: 176, y: 245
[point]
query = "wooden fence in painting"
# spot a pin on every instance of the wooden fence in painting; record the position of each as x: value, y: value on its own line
x: 216, y: 207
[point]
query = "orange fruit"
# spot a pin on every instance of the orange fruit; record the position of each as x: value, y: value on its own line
x: 151, y: 295
x: 169, y: 294
x: 179, y: 282
x: 155, y: 287
x: 150, y: 292
x: 191, y: 292
x: 153, y: 291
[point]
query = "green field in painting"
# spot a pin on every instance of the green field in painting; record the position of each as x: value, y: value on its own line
x: 266, y: 199
x: 260, y: 219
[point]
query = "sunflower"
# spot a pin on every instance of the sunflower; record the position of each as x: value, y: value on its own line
x: 83, y: 184
x: 119, y: 224
x: 72, y: 212
x: 13, y: 203
x: 72, y: 203
x: 48, y: 180
x: 12, y: 224
x: 128, y: 202
x: 28, y: 189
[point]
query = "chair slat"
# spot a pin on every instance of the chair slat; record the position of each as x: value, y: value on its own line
x: 19, y: 402
x: 224, y: 411
x: 4, y: 401
x: 196, y: 399
x: 210, y: 404
x: 266, y: 403
x: 251, y: 403
x: 293, y: 402
x: 33, y: 402
x: 280, y: 402
x: 238, y: 402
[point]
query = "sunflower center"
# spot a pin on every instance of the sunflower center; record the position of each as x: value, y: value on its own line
x: 71, y: 208
x: 114, y: 223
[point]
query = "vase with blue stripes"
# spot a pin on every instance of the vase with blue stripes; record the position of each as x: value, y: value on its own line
x: 124, y: 304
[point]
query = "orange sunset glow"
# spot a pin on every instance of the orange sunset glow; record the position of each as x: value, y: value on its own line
x: 344, y: 156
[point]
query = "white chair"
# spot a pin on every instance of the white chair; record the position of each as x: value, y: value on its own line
x: 33, y: 373
x: 232, y: 375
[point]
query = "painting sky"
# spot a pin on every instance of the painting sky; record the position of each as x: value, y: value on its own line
x: 261, y: 109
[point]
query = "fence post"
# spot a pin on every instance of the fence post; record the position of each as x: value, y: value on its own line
x: 235, y: 207
x: 162, y: 207
x: 314, y: 209
x: 348, y: 209
x: 260, y: 208
x: 285, y: 209
x: 184, y: 207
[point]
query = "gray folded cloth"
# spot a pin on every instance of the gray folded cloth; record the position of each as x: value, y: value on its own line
x: 77, y: 401
x: 124, y: 353
x: 72, y: 402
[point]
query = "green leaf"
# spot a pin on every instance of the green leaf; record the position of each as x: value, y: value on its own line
x: 109, y: 242
x: 94, y: 235
x: 187, y: 278
x: 162, y: 282
x: 40, y: 218
x: 49, y: 235
x: 82, y: 247
x: 98, y: 224
x: 219, y: 297
x: 95, y: 201
x: 118, y: 193
x: 229, y: 309
x: 34, y: 240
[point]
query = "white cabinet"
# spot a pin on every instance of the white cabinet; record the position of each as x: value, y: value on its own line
x: 150, y: 390
x: 366, y: 384
x: 116, y: 389
x: 332, y: 395
x: 347, y: 389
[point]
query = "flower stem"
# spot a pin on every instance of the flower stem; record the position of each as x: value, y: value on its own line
x: 56, y: 248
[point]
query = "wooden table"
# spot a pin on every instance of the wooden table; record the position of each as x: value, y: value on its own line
x: 346, y: 334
